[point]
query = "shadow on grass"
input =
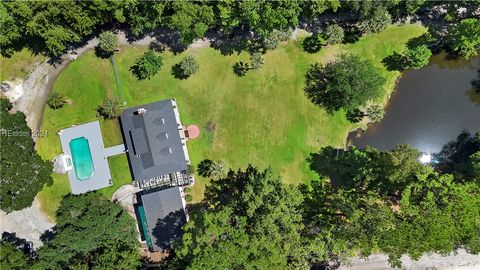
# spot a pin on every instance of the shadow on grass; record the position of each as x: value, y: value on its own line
x: 178, y: 73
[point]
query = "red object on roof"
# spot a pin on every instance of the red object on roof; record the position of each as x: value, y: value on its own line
x: 192, y: 131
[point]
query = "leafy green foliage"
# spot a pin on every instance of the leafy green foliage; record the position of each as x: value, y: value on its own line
x: 56, y: 100
x: 387, y: 201
x: 376, y: 21
x: 107, y: 42
x: 11, y: 258
x: 188, y: 198
x: 464, y: 38
x: 110, y: 108
x: 192, y: 20
x: 147, y: 65
x: 251, y: 221
x: 23, y: 172
x: 460, y: 157
x: 334, y: 34
x: 186, y: 68
x: 313, y: 43
x: 346, y: 83
x: 97, y: 233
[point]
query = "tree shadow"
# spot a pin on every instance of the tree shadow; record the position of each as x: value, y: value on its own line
x: 241, y: 68
x: 178, y: 73
x: 170, y: 38
x: 352, y: 34
x: 11, y: 238
x: 169, y: 229
x: 393, y: 62
x: 102, y: 54
x: 48, y: 235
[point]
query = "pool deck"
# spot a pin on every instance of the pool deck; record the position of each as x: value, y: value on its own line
x: 101, y: 177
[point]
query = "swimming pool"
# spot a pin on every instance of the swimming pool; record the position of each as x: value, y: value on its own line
x: 82, y: 158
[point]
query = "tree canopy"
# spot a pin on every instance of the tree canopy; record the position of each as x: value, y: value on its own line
x: 251, y: 221
x: 147, y: 65
x: 24, y: 172
x: 12, y: 258
x: 91, y: 233
x: 464, y: 37
x: 346, y: 83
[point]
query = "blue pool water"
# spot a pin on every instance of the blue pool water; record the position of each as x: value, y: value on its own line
x: 82, y: 158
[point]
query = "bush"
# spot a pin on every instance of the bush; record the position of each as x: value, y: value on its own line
x: 56, y: 100
x: 346, y: 83
x: 187, y: 190
x: 257, y: 60
x: 188, y: 198
x: 334, y: 34
x: 147, y: 65
x: 107, y: 42
x: 185, y: 68
x: 416, y: 57
x: 313, y: 43
x: 110, y: 108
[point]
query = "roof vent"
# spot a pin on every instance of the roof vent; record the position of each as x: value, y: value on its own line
x: 141, y: 111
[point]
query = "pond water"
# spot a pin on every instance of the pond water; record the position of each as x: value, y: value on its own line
x: 430, y: 107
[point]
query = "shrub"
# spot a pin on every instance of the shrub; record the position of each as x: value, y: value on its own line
x: 188, y: 198
x: 257, y: 60
x: 187, y: 190
x: 334, y: 34
x: 56, y: 100
x: 147, y: 65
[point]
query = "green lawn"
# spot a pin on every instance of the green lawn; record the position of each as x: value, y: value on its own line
x: 19, y: 65
x: 263, y: 118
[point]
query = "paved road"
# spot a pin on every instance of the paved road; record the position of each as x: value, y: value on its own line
x: 460, y: 261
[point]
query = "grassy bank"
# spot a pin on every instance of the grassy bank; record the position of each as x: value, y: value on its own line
x: 263, y: 118
x: 19, y: 65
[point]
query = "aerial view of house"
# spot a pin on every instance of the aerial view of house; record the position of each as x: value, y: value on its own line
x: 246, y: 134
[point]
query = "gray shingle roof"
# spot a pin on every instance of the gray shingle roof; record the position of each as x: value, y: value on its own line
x: 153, y: 140
x: 165, y: 215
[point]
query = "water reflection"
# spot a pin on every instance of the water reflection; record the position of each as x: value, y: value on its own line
x: 430, y: 107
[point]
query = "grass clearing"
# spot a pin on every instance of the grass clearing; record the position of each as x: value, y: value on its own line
x: 262, y: 118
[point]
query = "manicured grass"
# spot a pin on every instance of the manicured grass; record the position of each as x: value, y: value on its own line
x: 19, y: 65
x: 120, y: 175
x: 263, y: 118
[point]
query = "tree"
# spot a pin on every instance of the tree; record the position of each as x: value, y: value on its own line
x: 218, y: 169
x: 375, y: 112
x: 110, y: 108
x: 334, y: 34
x: 147, y: 65
x: 192, y: 20
x: 185, y: 68
x: 107, y: 42
x: 464, y: 38
x: 251, y: 221
x: 56, y: 100
x: 346, y: 83
x: 416, y: 57
x: 204, y: 167
x: 97, y: 233
x: 24, y: 172
x: 257, y: 60
x: 313, y: 43
x: 11, y: 258
x: 376, y: 21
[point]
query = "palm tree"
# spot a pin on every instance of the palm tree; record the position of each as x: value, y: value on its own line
x: 218, y: 169
x: 56, y: 100
x: 110, y: 108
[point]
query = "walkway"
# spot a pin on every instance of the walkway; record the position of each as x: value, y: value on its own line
x: 115, y: 150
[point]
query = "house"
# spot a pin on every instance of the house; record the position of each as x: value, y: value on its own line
x: 161, y: 215
x: 156, y: 144
x: 155, y: 140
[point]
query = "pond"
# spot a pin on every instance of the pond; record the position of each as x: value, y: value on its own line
x: 430, y: 107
